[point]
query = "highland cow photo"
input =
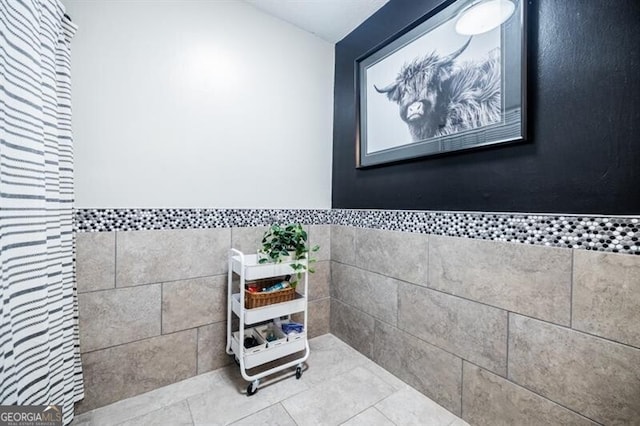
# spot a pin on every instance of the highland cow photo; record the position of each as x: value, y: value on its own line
x: 439, y: 88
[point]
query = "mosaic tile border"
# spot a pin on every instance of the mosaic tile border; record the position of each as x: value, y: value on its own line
x: 102, y: 220
x: 590, y: 232
x: 602, y: 233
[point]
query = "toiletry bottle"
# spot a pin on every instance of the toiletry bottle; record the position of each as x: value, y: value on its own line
x: 279, y: 286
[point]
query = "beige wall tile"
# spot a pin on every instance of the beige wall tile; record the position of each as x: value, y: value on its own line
x: 191, y: 303
x: 401, y: 255
x: 343, y: 244
x: 320, y: 235
x: 606, y: 295
x: 490, y: 400
x: 470, y: 330
x: 248, y: 239
x: 212, y: 343
x: 532, y: 280
x: 318, y: 316
x: 127, y: 370
x: 432, y: 371
x: 95, y: 260
x: 353, y: 326
x: 375, y: 294
x: 155, y: 256
x: 122, y: 315
x: 320, y: 281
x: 595, y: 377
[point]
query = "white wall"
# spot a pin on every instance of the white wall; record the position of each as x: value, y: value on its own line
x: 198, y: 104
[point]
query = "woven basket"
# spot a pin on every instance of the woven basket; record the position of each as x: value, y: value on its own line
x: 256, y: 300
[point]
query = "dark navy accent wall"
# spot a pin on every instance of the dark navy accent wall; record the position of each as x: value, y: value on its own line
x: 583, y: 153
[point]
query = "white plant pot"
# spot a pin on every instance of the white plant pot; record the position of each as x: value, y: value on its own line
x: 283, y: 259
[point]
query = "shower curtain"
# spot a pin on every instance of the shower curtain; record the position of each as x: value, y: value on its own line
x: 39, y: 350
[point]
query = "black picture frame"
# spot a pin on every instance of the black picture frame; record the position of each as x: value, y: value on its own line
x: 500, y: 54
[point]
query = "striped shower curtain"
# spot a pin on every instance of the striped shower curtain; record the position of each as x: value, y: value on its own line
x: 39, y: 351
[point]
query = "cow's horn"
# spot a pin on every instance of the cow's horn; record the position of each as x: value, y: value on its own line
x: 455, y: 54
x: 387, y: 89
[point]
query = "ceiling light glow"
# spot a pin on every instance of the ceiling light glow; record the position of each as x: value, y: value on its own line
x: 484, y: 16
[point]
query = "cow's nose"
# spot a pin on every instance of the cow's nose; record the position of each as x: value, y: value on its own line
x: 415, y: 109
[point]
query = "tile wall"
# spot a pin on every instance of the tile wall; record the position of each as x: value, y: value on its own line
x: 523, y: 320
x: 152, y: 304
x: 498, y: 333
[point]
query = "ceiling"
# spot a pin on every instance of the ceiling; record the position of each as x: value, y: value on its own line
x: 330, y: 20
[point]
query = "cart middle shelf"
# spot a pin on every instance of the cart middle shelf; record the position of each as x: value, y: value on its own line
x: 264, y: 313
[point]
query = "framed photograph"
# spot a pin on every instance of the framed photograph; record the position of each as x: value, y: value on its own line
x: 446, y: 83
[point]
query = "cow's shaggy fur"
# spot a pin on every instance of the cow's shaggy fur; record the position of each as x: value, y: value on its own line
x: 474, y: 97
x: 454, y: 98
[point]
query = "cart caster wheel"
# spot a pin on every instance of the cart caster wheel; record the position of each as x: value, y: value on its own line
x: 252, y: 389
x: 298, y: 372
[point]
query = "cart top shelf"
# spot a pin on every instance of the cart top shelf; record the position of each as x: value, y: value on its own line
x: 255, y: 271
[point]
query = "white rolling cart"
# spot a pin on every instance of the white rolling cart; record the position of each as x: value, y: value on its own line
x: 247, y: 268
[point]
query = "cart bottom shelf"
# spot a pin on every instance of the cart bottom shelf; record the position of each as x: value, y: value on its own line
x: 265, y: 353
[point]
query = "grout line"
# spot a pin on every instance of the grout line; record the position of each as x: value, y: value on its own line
x: 404, y: 331
x: 355, y: 415
x: 193, y: 422
x: 508, y: 331
x: 287, y: 411
x: 161, y: 307
x: 398, y: 305
x: 530, y: 390
x: 476, y: 301
x: 384, y: 415
x: 515, y: 313
x: 429, y: 288
x: 391, y: 394
x: 371, y: 406
x: 461, y: 387
x: 355, y: 245
x: 197, y: 351
x: 268, y: 406
x: 567, y: 328
x: 157, y: 282
x: 477, y: 365
x: 153, y: 337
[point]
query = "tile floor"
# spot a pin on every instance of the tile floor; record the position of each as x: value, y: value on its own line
x: 339, y: 387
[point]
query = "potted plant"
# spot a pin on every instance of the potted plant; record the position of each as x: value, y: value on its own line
x: 287, y: 243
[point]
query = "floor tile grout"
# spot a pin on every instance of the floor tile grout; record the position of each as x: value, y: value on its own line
x: 384, y: 415
x: 212, y: 398
x: 193, y: 421
x: 288, y: 413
